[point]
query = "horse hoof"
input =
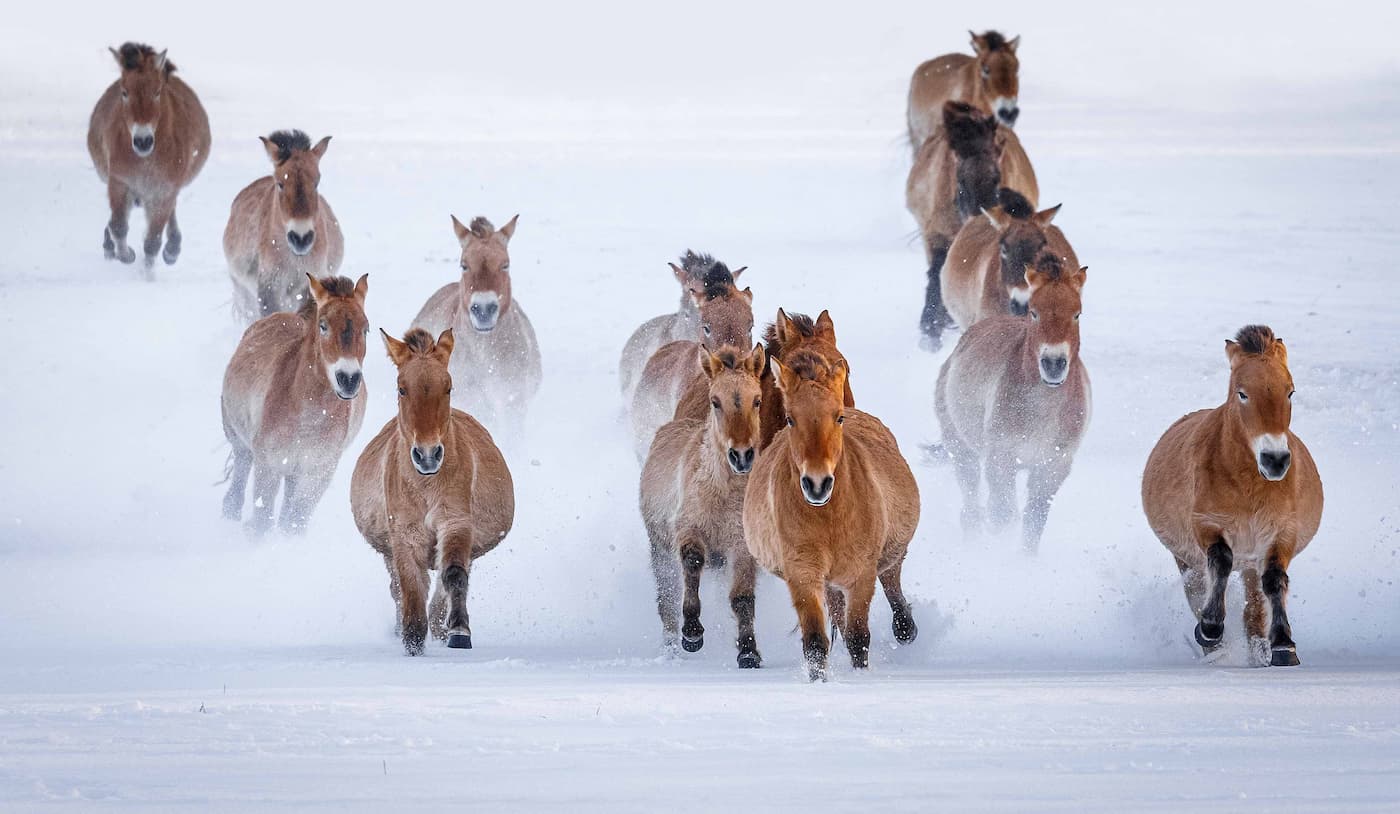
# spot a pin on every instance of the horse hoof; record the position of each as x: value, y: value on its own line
x: 1284, y: 657
x: 905, y: 631
x: 459, y: 641
x: 932, y: 344
x: 692, y: 645
x: 750, y: 660
x: 109, y: 252
x: 1209, y: 637
x: 170, y: 256
x: 816, y: 672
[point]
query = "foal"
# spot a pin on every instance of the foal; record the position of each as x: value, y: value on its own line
x: 692, y: 496
x: 984, y: 274
x: 956, y: 175
x: 431, y: 491
x: 1234, y: 489
x: 149, y: 138
x: 857, y: 511
x: 292, y: 401
x: 495, y: 359
x: 989, y: 80
x: 280, y: 230
x: 660, y: 330
x: 1015, y: 395
x: 726, y: 318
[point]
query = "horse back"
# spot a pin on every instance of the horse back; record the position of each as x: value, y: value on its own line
x: 930, y: 193
x: 258, y: 364
x: 246, y: 217
x: 970, y: 291
x: 440, y: 311
x: 1016, y: 169
x: 191, y: 129
x: 663, y: 473
x: 934, y: 82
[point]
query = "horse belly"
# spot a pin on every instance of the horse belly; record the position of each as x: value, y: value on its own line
x: 1168, y: 490
x: 646, y: 340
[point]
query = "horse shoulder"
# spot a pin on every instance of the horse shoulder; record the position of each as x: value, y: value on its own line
x: 440, y: 311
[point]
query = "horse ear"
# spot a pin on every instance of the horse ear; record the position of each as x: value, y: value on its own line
x: 1233, y: 353
x: 978, y: 44
x: 361, y: 289
x: 321, y: 146
x: 508, y: 231
x: 318, y: 291
x: 117, y: 55
x: 747, y: 294
x: 160, y: 60
x: 1012, y: 43
x: 825, y: 327
x: 781, y: 375
x: 442, y: 351
x: 709, y: 365
x: 697, y: 296
x: 399, y: 352
x: 1080, y: 276
x: 757, y: 360
x: 678, y: 273
x: 1280, y: 350
x: 1043, y: 217
x: 1034, y: 279
x: 840, y: 371
x: 463, y: 233
x: 273, y: 151
x: 784, y: 327
x: 997, y: 217
x: 735, y: 274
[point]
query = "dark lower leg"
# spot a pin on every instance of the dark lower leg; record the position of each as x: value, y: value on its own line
x: 454, y: 581
x: 1042, y: 485
x: 935, y: 316
x: 172, y: 241
x: 1219, y: 560
x: 967, y: 465
x: 1284, y: 653
x: 413, y: 601
x: 806, y: 591
x: 240, y: 464
x: 665, y: 566
x: 265, y: 483
x: 857, y: 630
x: 692, y: 555
x: 741, y: 601
x: 891, y: 579
x: 1001, y: 488
x: 836, y: 610
x: 157, y: 216
x: 119, y: 199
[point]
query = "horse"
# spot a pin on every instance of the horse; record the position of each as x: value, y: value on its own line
x: 149, y: 138
x: 831, y: 503
x: 1233, y: 489
x: 281, y: 230
x: 430, y: 491
x: 958, y: 173
x: 984, y: 273
x: 496, y: 358
x: 726, y: 318
x: 692, y: 495
x: 988, y: 80
x: 659, y: 330
x: 1014, y: 394
x: 293, y: 400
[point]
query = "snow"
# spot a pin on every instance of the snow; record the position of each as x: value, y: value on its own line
x: 153, y: 657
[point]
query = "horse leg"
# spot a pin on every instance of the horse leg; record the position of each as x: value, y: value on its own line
x: 692, y: 554
x: 158, y: 213
x: 240, y: 464
x: 935, y: 315
x: 1001, y: 488
x: 1044, y: 482
x: 967, y: 464
x: 1193, y: 580
x: 455, y: 569
x: 857, y: 630
x: 1256, y: 617
x: 665, y: 566
x: 413, y: 598
x: 114, y: 238
x: 1219, y: 560
x: 302, y: 493
x: 265, y: 483
x: 836, y: 610
x: 806, y: 588
x: 1284, y: 653
x: 741, y: 601
x: 891, y: 579
x: 172, y: 240
x: 395, y: 592
x: 437, y: 611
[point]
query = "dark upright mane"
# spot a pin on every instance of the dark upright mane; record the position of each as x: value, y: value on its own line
x: 419, y: 341
x: 810, y: 365
x: 710, y: 273
x: 994, y: 40
x: 287, y: 141
x: 1048, y: 264
x: 481, y: 227
x: 1256, y: 339
x: 132, y: 53
x: 1014, y: 204
x: 774, y: 346
x: 335, y: 287
x: 969, y: 133
x: 730, y: 357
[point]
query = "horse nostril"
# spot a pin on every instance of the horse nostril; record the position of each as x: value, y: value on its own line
x: 826, y: 483
x: 808, y: 485
x: 734, y: 459
x: 1275, y: 463
x: 143, y: 144
x: 1053, y: 367
x: 748, y: 458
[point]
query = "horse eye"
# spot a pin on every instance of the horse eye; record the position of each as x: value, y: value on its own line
x: 279, y: 185
x: 757, y: 402
x: 1290, y: 394
x: 714, y: 403
x: 840, y: 419
x: 789, y: 421
x: 1243, y: 397
x: 1035, y: 315
x: 325, y: 329
x: 1076, y: 317
x: 403, y: 391
x: 157, y: 96
x: 986, y: 72
x: 124, y: 94
x: 707, y: 329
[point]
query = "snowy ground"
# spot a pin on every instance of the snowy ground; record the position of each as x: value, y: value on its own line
x: 153, y: 657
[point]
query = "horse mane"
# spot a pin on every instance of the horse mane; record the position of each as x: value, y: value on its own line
x: 1049, y: 264
x: 810, y: 365
x: 1256, y: 339
x: 967, y: 129
x: 713, y: 275
x: 730, y: 357
x: 774, y: 346
x: 334, y: 286
x: 287, y: 141
x: 994, y: 40
x: 132, y: 53
x: 419, y: 341
x: 1014, y: 204
x: 481, y: 227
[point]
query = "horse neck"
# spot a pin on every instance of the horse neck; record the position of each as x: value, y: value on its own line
x: 1231, y: 444
x: 310, y: 370
x: 714, y: 467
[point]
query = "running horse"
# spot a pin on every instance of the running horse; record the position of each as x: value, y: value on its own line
x: 989, y: 80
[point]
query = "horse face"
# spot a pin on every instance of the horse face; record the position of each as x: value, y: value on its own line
x: 726, y: 319
x: 298, y: 199
x: 485, y: 271
x: 341, y: 331
x: 1054, y: 308
x: 425, y: 391
x: 998, y: 71
x: 735, y: 400
x: 1261, y: 397
x: 142, y: 81
x: 812, y: 396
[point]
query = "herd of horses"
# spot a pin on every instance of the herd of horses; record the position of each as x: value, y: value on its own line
x: 753, y: 454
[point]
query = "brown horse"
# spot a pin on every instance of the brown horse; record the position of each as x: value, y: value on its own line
x: 984, y: 274
x: 988, y: 80
x: 1234, y: 489
x: 832, y: 504
x: 1014, y: 394
x: 431, y: 491
x: 726, y: 318
x: 496, y: 358
x: 659, y: 330
x: 293, y: 401
x: 280, y: 230
x: 149, y: 138
x: 692, y: 497
x: 958, y: 173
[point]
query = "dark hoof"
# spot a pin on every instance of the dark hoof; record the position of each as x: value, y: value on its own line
x: 170, y: 254
x: 460, y: 641
x: 816, y: 672
x: 1284, y: 657
x: 905, y: 631
x: 128, y: 255
x: 1208, y: 635
x: 750, y: 660
x: 413, y: 638
x: 692, y: 645
x: 931, y: 343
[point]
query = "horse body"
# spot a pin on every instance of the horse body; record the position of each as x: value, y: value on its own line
x: 830, y: 507
x: 988, y: 80
x: 496, y: 362
x: 281, y: 230
x: 292, y: 401
x: 431, y: 491
x: 1233, y: 489
x: 1015, y: 395
x: 692, y: 495
x: 148, y: 137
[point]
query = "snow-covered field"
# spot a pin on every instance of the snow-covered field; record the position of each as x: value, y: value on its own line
x: 152, y: 657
